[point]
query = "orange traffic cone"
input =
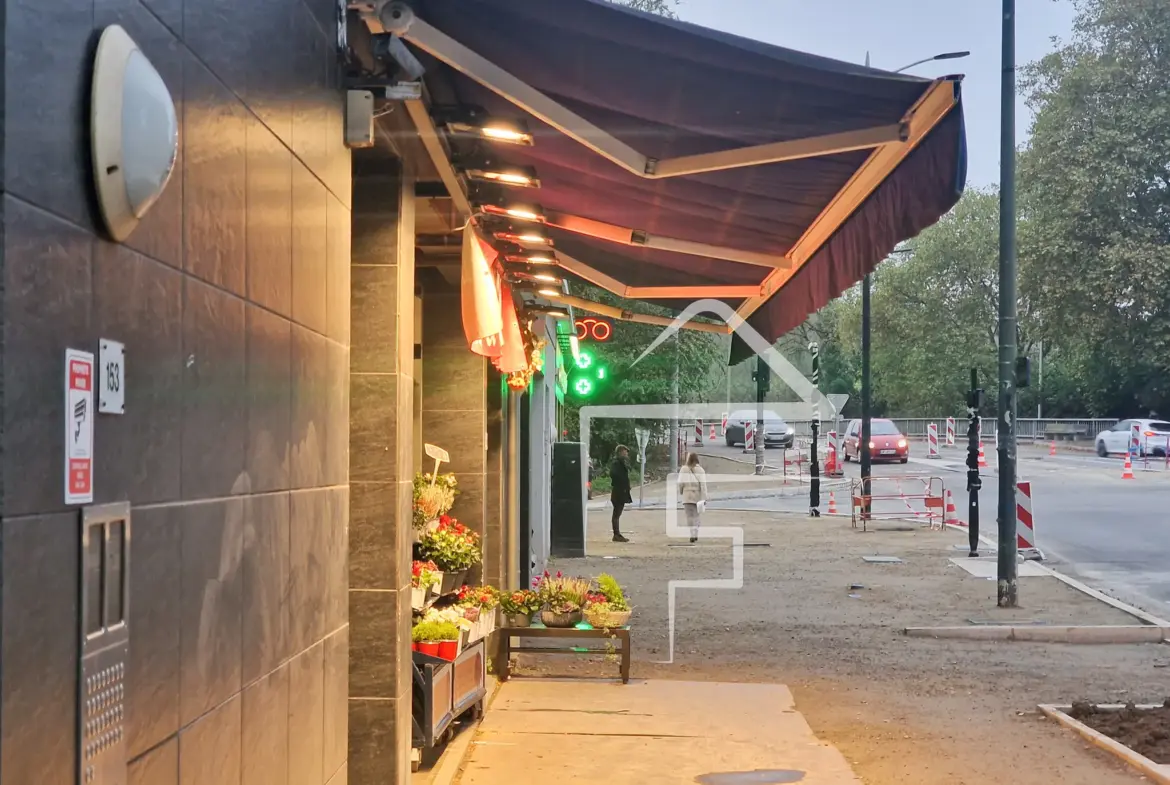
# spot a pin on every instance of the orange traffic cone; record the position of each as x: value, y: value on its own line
x: 952, y: 515
x: 1052, y: 449
x: 832, y: 504
x: 982, y: 457
x: 1127, y: 471
x: 713, y: 436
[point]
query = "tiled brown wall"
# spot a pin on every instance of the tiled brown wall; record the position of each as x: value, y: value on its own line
x: 454, y: 408
x: 232, y: 298
x: 381, y: 469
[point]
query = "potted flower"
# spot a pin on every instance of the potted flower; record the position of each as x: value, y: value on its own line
x: 436, y: 639
x: 452, y: 614
x: 519, y: 606
x: 479, y: 606
x: 453, y: 547
x: 424, y: 577
x: 607, y: 607
x: 432, y: 499
x: 562, y: 598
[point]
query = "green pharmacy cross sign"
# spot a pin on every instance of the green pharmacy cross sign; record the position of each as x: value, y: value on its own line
x: 588, y: 375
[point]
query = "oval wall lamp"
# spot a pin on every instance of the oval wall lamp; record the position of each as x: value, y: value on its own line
x: 134, y: 132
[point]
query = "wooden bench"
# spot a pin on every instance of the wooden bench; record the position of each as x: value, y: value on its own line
x: 621, y: 634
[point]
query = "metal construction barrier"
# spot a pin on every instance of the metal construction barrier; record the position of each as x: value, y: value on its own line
x: 1027, y: 429
x: 917, y: 496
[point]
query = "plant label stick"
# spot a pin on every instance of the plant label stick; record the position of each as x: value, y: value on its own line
x: 440, y: 455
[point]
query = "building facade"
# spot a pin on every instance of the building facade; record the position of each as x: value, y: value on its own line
x: 284, y: 367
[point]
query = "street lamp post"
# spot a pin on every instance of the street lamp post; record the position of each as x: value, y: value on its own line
x: 866, y: 392
x: 1007, y: 590
x: 943, y: 56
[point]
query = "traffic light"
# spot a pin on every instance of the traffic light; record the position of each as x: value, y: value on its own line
x: 588, y: 375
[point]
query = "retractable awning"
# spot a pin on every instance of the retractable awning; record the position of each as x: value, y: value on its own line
x: 677, y: 163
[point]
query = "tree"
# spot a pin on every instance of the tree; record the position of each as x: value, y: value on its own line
x: 661, y: 7
x: 700, y: 355
x: 1095, y: 182
x: 933, y: 313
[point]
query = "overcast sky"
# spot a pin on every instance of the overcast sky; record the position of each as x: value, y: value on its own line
x: 898, y: 32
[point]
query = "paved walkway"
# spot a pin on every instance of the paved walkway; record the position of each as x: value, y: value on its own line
x: 578, y: 732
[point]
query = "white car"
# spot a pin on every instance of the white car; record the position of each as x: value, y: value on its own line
x: 1153, y: 438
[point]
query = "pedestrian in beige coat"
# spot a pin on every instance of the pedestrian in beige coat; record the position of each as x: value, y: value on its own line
x: 692, y: 486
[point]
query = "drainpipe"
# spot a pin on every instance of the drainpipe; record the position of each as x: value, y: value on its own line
x: 512, y: 449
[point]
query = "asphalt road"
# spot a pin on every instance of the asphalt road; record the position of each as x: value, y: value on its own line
x: 1113, y: 533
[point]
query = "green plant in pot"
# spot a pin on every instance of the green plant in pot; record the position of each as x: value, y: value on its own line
x: 519, y: 606
x: 562, y: 597
x: 436, y: 639
x: 607, y: 608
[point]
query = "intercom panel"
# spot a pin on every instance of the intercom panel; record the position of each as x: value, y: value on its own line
x: 105, y: 644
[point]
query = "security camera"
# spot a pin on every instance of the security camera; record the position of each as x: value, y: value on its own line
x: 395, y: 16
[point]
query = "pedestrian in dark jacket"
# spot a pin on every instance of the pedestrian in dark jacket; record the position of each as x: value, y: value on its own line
x: 619, y: 474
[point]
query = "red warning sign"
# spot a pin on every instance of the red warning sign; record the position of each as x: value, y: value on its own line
x: 79, y: 414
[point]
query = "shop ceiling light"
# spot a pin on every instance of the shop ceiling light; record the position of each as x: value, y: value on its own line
x: 494, y: 129
x: 553, y: 312
x: 533, y: 258
x: 520, y: 176
x: 519, y: 212
x: 548, y: 292
x: 524, y: 276
x: 530, y: 237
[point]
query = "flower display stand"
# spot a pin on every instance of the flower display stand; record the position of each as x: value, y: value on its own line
x: 444, y: 692
x: 620, y: 635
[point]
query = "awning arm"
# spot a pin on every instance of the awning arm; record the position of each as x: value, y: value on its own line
x: 778, y: 152
x: 400, y: 19
x: 438, y: 155
x: 437, y: 151
x: 641, y: 318
x: 587, y: 273
x: 922, y: 118
x: 637, y: 238
x: 715, y: 291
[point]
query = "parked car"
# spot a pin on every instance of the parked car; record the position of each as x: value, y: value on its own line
x: 886, y: 442
x: 777, y: 433
x: 1153, y: 438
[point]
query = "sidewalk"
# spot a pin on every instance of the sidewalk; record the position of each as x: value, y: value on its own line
x: 648, y: 733
x: 815, y: 616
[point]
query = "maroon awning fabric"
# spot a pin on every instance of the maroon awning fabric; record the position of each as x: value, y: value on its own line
x: 668, y: 89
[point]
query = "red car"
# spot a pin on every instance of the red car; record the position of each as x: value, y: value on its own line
x: 886, y: 442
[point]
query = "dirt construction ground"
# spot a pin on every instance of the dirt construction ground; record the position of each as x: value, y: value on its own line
x: 902, y: 710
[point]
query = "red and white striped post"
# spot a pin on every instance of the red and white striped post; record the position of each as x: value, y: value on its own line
x: 749, y: 436
x: 932, y: 440
x: 950, y: 432
x: 831, y: 458
x: 1026, y: 523
x: 723, y: 427
x: 698, y: 432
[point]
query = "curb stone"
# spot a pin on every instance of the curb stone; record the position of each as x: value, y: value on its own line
x: 1090, y: 635
x: 1157, y: 772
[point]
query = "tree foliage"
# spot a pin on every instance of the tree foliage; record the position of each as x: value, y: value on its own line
x: 1096, y: 185
x: 700, y: 356
x: 661, y: 7
x: 1094, y: 244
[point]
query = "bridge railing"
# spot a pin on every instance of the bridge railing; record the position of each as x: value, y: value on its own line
x: 1027, y: 429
